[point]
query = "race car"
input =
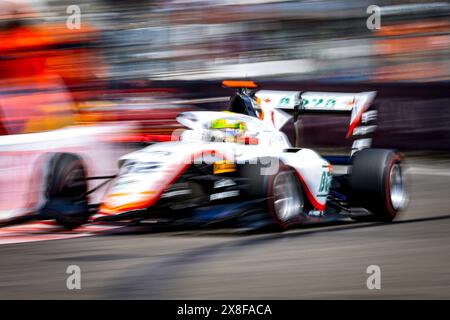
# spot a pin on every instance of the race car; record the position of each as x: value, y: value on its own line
x: 229, y: 165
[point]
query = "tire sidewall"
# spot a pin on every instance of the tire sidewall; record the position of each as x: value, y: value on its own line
x: 396, y: 159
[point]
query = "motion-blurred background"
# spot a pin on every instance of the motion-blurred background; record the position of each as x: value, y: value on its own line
x: 213, y: 39
x: 146, y: 61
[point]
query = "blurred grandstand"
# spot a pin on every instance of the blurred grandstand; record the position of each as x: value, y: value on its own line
x: 215, y: 39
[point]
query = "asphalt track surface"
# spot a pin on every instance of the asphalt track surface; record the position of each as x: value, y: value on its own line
x: 319, y: 262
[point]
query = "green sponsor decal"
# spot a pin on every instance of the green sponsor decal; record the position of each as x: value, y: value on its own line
x: 330, y: 103
x: 319, y: 103
x: 325, y: 182
x: 285, y: 100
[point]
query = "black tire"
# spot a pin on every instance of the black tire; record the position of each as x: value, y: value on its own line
x: 370, y: 180
x: 293, y: 191
x: 258, y: 175
x: 261, y: 177
x: 65, y: 191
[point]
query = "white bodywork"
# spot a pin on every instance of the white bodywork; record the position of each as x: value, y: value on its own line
x: 23, y: 157
x: 156, y: 167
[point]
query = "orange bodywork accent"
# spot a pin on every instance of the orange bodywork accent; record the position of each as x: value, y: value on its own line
x: 262, y: 115
x: 136, y: 205
x: 239, y: 84
x: 127, y: 194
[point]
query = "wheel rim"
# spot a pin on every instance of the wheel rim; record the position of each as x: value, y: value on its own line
x: 397, y: 187
x: 288, y: 201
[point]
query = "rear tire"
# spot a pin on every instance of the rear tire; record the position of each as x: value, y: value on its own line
x: 377, y: 184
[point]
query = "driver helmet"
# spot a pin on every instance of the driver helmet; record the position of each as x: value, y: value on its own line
x: 227, y: 130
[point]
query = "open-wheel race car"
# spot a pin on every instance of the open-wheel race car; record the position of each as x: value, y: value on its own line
x: 231, y: 165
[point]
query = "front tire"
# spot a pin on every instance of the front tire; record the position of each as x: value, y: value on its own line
x: 286, y: 201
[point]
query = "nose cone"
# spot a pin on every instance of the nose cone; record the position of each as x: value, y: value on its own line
x: 118, y: 203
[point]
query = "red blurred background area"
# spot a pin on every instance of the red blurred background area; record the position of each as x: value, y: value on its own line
x: 53, y: 76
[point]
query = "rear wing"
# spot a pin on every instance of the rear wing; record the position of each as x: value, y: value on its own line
x: 286, y: 104
x: 275, y: 108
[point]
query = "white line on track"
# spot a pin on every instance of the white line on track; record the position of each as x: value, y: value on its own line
x: 48, y: 230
